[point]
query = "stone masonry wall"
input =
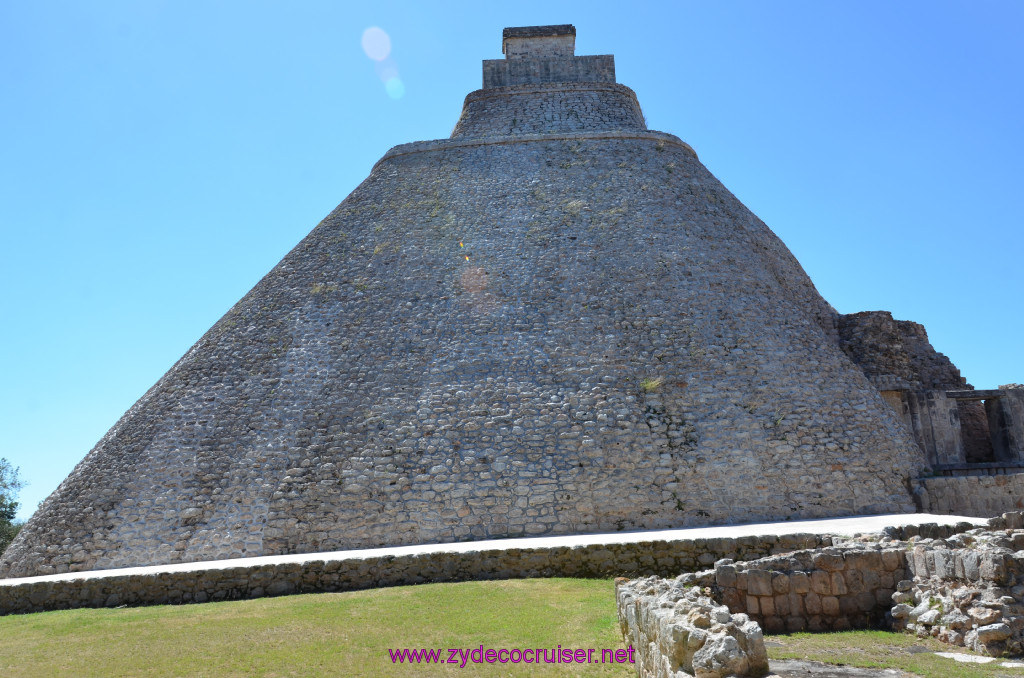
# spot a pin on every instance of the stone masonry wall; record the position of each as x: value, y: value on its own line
x: 378, y: 388
x: 933, y: 369
x: 531, y: 42
x: 223, y: 581
x: 626, y: 347
x: 505, y: 72
x: 678, y: 630
x: 885, y: 348
x: 829, y: 589
x: 979, y: 495
x: 554, y: 108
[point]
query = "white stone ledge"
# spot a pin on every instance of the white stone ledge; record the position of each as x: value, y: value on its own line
x: 642, y: 539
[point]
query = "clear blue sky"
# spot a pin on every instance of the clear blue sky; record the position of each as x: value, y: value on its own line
x: 158, y: 158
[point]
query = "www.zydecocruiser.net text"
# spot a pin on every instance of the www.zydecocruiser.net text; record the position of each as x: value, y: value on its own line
x: 478, y: 655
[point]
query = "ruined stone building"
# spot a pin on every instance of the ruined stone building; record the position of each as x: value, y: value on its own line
x: 556, y: 321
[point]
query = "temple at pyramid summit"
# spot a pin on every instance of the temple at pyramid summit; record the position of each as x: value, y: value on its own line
x: 554, y: 322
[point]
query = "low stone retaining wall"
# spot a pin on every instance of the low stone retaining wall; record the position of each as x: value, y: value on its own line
x: 233, y: 580
x: 981, y: 496
x: 709, y: 623
x: 832, y: 589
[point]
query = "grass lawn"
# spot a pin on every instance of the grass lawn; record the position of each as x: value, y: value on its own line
x: 331, y: 634
x: 349, y: 634
x: 882, y: 649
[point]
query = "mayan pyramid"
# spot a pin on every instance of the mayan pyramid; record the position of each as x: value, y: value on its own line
x: 556, y: 321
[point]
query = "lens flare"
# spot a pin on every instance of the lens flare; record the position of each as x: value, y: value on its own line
x: 376, y: 43
x: 395, y: 88
x: 386, y: 69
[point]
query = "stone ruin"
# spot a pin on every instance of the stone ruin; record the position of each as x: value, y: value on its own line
x: 967, y: 590
x: 961, y: 430
x: 961, y: 585
x: 554, y: 322
x: 677, y: 628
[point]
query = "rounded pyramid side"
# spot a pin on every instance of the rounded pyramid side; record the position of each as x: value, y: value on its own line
x: 512, y: 338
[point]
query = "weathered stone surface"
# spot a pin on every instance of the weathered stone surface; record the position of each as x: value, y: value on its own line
x: 662, y: 558
x: 896, y: 352
x: 676, y: 629
x: 975, y: 495
x: 833, y: 588
x: 993, y: 633
x: 969, y: 590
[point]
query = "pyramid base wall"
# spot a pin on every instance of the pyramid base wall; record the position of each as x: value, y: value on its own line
x: 977, y: 495
x: 343, y: 572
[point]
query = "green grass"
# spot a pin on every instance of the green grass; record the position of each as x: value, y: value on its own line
x: 882, y: 649
x: 330, y: 634
x: 349, y: 634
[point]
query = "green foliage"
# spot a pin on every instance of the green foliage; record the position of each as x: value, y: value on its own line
x: 10, y: 484
x: 649, y: 385
x: 8, y: 531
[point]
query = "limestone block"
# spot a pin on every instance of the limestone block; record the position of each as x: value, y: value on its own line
x: 993, y: 633
x: 892, y: 559
x: 828, y: 560
x: 821, y: 583
x: 983, y: 616
x: 901, y: 611
x: 759, y: 582
x: 725, y: 575
x: 812, y: 603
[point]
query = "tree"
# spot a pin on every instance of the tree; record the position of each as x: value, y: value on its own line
x: 10, y: 483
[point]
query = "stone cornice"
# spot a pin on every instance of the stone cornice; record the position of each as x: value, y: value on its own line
x: 447, y: 144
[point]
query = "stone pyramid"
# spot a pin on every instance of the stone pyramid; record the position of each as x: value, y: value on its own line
x: 556, y: 321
